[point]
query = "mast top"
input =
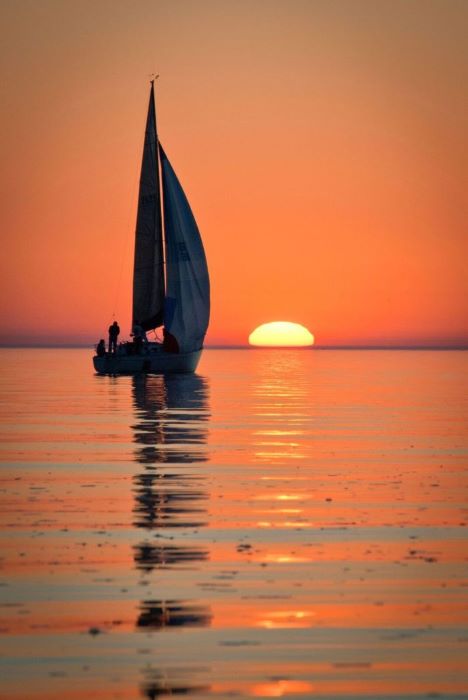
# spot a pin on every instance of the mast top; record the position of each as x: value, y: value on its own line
x: 153, y: 77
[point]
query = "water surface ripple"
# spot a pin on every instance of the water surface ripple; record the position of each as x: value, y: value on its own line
x: 285, y: 523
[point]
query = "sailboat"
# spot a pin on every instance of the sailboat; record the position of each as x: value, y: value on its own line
x: 171, y: 286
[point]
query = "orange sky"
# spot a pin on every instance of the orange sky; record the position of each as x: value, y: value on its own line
x: 321, y: 145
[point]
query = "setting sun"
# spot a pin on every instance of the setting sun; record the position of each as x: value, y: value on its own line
x: 281, y: 334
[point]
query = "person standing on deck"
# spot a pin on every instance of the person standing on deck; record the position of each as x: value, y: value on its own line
x: 114, y: 331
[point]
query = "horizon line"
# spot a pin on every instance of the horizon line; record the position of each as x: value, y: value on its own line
x: 215, y: 346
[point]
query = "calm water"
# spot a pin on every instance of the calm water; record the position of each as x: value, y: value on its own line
x: 283, y: 524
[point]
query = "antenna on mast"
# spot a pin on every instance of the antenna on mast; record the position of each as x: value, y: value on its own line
x: 153, y: 77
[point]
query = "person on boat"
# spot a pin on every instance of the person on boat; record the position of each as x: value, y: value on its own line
x: 101, y: 348
x: 114, y: 331
x: 170, y: 343
x: 138, y: 331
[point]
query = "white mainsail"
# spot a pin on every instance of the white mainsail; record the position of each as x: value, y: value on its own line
x: 187, y: 303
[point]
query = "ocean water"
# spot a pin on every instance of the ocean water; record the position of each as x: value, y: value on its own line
x: 284, y: 523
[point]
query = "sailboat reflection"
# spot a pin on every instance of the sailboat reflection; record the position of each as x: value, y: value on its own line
x: 171, y: 429
x: 171, y: 426
x: 162, y: 685
x: 172, y: 414
x: 148, y: 556
x: 157, y: 614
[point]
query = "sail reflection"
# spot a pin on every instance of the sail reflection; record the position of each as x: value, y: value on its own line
x: 160, y: 684
x: 172, y: 414
x: 170, y: 434
x: 149, y: 556
x: 159, y: 614
x: 171, y: 429
x: 161, y: 501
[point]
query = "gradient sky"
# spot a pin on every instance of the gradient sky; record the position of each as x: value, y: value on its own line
x: 321, y: 143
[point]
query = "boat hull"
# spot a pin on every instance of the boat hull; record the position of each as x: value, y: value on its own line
x: 152, y: 363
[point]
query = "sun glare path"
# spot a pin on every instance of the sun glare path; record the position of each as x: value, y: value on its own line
x: 281, y: 334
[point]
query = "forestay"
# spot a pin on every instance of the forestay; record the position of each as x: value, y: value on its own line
x: 187, y: 304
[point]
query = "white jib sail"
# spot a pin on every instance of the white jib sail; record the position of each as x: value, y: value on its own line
x: 187, y: 303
